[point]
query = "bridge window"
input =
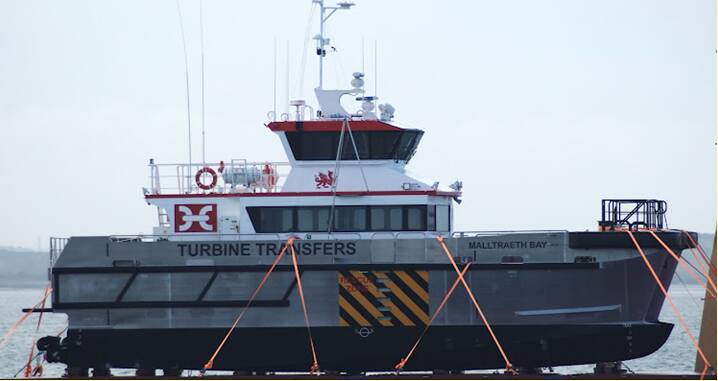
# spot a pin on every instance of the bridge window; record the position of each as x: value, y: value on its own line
x: 371, y: 145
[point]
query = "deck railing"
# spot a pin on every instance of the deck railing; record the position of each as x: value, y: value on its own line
x: 633, y: 213
x: 235, y: 176
x: 386, y: 244
x: 57, y: 245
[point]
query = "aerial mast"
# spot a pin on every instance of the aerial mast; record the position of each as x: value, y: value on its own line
x: 321, y: 40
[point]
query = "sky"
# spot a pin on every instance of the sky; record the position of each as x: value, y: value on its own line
x: 541, y: 108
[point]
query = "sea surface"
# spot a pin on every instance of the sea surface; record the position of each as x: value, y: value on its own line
x: 676, y: 356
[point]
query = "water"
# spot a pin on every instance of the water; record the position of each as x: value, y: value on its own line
x: 14, y: 354
x: 676, y: 356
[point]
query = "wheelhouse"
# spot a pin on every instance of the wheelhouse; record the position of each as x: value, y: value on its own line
x: 344, y: 175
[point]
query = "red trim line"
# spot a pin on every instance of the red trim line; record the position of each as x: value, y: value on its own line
x: 304, y: 194
x: 332, y: 125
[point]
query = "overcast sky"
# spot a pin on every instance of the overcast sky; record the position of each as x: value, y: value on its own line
x: 542, y: 108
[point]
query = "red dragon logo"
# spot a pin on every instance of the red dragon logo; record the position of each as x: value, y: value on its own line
x: 324, y: 181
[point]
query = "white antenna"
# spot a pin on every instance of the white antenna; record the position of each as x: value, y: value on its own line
x: 286, y: 79
x: 321, y: 41
x: 274, y: 96
x: 201, y: 34
x: 299, y: 84
x: 376, y: 75
x: 186, y: 76
x: 362, y: 55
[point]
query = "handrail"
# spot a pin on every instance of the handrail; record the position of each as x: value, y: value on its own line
x: 57, y: 245
x: 236, y: 176
x: 478, y: 233
x: 427, y: 245
x: 618, y: 213
x: 326, y: 235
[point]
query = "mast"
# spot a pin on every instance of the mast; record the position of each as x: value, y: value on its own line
x: 321, y: 40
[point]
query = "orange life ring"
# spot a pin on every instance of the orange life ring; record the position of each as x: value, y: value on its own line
x: 270, y: 177
x: 198, y: 178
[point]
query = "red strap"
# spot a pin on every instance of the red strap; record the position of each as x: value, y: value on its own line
x: 509, y: 367
x: 670, y: 301
x: 315, y: 364
x: 403, y: 361
x: 210, y: 362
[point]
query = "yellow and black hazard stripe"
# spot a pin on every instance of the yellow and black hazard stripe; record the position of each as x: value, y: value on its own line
x: 383, y: 298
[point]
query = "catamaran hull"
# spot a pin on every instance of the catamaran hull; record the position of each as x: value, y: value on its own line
x: 345, y: 349
x: 590, y: 298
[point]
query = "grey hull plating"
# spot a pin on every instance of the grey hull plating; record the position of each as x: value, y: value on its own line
x: 542, y: 290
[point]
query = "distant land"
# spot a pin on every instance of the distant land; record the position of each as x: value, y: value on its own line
x: 21, y: 267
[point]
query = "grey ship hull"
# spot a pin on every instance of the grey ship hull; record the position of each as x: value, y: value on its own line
x: 553, y: 298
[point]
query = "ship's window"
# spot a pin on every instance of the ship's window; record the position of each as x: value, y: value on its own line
x: 377, y: 218
x: 431, y: 217
x: 241, y: 285
x: 350, y: 218
x: 306, y: 219
x: 371, y: 145
x: 318, y: 146
x: 383, y: 143
x: 322, y: 219
x: 442, y: 218
x: 396, y: 218
x: 272, y: 219
x: 166, y: 287
x: 386, y: 218
x: 415, y: 217
x: 407, y: 145
x: 362, y: 143
x: 312, y: 219
x: 79, y: 288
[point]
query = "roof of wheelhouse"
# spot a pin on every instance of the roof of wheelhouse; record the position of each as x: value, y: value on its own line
x: 331, y: 125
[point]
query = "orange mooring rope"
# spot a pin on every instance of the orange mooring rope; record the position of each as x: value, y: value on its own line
x: 509, y: 367
x: 24, y: 317
x: 670, y: 301
x: 28, y: 365
x: 700, y: 250
x: 403, y: 361
x: 699, y: 261
x: 681, y: 261
x: 315, y: 364
x: 210, y: 362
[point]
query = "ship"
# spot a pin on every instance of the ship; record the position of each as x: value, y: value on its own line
x: 356, y: 256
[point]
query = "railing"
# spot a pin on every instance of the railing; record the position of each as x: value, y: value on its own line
x: 633, y: 213
x: 56, y: 247
x: 203, y: 237
x: 384, y: 245
x: 236, y: 176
